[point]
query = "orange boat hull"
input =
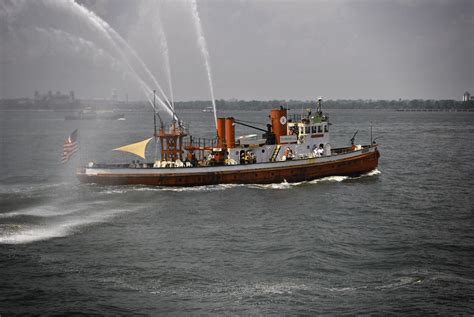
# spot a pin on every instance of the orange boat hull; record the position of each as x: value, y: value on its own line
x: 345, y: 167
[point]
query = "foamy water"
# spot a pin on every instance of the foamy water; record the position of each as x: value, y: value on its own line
x: 60, y: 218
x: 211, y: 188
x: 53, y: 221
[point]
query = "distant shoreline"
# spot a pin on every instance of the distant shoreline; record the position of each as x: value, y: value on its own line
x: 252, y: 105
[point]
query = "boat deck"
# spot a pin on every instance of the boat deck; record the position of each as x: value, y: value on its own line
x: 346, y: 163
x: 335, y: 153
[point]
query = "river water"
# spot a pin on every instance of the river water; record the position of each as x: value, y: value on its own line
x: 397, y: 240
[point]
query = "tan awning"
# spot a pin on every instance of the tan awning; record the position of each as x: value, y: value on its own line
x: 135, y: 148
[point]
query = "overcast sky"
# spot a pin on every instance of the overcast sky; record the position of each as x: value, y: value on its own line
x: 296, y: 49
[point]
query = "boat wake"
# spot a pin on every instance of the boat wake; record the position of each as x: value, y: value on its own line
x: 140, y: 188
x: 221, y: 187
x: 329, y: 179
x: 371, y: 173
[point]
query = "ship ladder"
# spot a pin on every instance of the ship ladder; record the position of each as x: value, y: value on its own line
x: 275, y: 153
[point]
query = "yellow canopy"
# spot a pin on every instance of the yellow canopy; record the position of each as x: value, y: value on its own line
x: 135, y: 148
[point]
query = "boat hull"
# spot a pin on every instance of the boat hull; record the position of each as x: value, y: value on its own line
x: 349, y: 164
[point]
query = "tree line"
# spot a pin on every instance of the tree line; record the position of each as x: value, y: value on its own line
x: 335, y: 104
x: 252, y: 105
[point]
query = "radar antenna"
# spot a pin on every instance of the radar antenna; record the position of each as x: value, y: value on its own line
x: 319, y: 108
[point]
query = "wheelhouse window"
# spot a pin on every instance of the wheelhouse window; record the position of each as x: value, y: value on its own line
x: 326, y: 129
x: 308, y: 130
x: 320, y: 129
x: 314, y: 129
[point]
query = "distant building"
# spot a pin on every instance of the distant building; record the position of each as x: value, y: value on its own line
x: 467, y: 96
x: 101, y: 103
x: 55, y: 101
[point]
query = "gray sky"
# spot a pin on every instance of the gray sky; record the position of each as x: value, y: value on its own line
x: 298, y: 49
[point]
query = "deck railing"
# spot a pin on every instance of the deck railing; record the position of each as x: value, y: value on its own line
x: 200, y: 142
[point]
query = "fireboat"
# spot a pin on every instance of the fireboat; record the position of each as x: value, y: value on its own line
x: 293, y: 148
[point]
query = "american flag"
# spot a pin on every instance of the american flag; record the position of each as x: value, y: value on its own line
x: 70, y: 147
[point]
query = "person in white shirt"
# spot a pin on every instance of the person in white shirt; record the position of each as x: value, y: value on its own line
x: 320, y: 150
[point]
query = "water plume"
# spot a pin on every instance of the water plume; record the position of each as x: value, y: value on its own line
x: 165, y: 51
x: 80, y: 45
x: 71, y: 17
x: 74, y: 43
x: 204, y: 51
x: 117, y: 42
x: 117, y: 38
